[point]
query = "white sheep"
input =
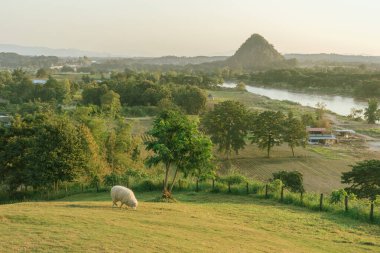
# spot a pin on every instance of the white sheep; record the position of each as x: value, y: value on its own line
x: 124, y: 195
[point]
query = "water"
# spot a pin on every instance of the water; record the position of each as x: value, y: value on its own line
x: 338, y: 104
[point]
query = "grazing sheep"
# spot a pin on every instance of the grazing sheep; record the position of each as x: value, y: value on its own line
x: 124, y: 195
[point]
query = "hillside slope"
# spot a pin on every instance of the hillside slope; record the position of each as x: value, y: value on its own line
x: 199, y: 223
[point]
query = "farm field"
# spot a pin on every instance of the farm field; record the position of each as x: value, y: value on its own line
x: 321, y: 166
x: 199, y: 222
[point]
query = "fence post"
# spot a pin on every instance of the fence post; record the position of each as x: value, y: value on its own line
x: 346, y: 203
x: 197, y: 186
x: 282, y: 193
x: 371, y: 212
x: 266, y: 191
x: 247, y: 188
x: 321, y: 202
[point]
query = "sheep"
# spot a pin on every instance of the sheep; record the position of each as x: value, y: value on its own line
x: 124, y: 195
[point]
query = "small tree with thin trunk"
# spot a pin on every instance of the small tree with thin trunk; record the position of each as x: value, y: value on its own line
x: 177, y: 143
x: 268, y: 130
x: 294, y: 133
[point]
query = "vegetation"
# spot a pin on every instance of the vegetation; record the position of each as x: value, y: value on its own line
x: 88, y: 221
x: 228, y: 126
x: 177, y: 143
x: 371, y: 113
x: 267, y: 130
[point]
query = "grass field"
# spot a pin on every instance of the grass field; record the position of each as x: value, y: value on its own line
x: 199, y: 222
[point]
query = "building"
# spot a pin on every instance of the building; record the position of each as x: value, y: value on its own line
x: 320, y: 136
x: 6, y: 120
x: 345, y: 133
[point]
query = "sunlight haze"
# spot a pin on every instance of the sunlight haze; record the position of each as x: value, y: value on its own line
x: 190, y: 28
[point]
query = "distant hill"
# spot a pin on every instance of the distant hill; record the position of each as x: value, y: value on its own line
x: 13, y: 60
x: 256, y: 54
x: 337, y: 58
x: 62, y: 52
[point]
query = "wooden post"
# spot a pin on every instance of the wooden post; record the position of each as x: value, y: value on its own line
x: 301, y: 197
x: 266, y: 191
x: 282, y: 194
x: 371, y: 212
x: 346, y: 203
x: 229, y: 187
x: 247, y: 188
x: 213, y: 184
x: 321, y: 202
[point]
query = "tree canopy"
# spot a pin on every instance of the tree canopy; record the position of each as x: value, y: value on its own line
x: 364, y: 179
x: 176, y: 142
x: 227, y: 125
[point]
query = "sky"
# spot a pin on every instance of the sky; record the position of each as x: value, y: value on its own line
x: 192, y: 27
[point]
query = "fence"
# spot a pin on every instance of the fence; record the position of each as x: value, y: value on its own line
x: 353, y: 208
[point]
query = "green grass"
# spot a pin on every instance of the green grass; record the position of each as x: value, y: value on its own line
x: 199, y: 222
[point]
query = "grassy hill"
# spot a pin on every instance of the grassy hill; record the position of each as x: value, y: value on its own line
x: 201, y: 222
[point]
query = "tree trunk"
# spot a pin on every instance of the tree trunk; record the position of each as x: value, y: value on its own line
x: 346, y: 203
x: 167, y: 167
x: 321, y: 202
x: 292, y: 150
x: 371, y: 211
x: 174, y: 178
x: 282, y: 193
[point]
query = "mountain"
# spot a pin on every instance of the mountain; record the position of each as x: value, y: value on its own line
x: 256, y: 54
x: 61, y: 52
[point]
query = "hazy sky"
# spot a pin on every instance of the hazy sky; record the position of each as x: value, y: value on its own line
x: 192, y: 27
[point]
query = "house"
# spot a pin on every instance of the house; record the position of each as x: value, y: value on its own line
x: 345, y: 133
x: 5, y: 120
x: 320, y: 136
x: 39, y: 81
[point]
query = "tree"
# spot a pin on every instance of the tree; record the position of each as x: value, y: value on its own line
x: 177, y: 143
x: 371, y: 113
x: 364, y: 179
x: 320, y: 110
x: 293, y: 180
x: 191, y: 99
x: 227, y: 125
x: 268, y: 130
x: 241, y: 86
x: 295, y: 133
x: 110, y: 102
x: 41, y: 73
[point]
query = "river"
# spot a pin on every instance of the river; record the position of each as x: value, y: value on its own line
x: 339, y: 104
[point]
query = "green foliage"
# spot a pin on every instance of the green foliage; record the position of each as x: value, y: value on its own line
x: 176, y: 141
x: 233, y: 179
x: 293, y: 180
x: 191, y: 99
x: 227, y: 125
x: 294, y: 133
x: 371, y: 113
x: 364, y: 179
x: 268, y: 130
x: 42, y: 150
